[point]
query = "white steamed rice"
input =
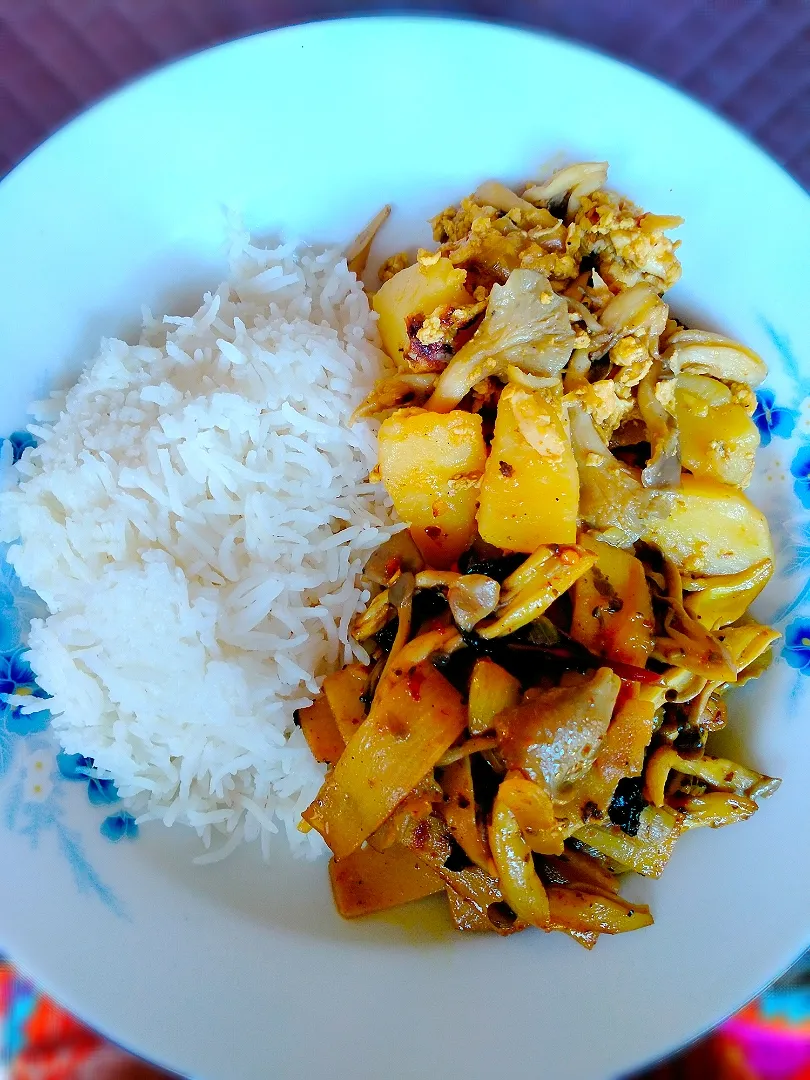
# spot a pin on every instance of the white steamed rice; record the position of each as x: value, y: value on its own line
x: 196, y: 517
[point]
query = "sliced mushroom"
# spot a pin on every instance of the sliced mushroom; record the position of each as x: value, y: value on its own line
x: 494, y: 193
x: 472, y: 597
x: 699, y: 352
x: 580, y: 179
x: 526, y: 324
x: 395, y: 555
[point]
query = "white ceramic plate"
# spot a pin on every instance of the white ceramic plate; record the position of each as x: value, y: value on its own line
x: 242, y: 970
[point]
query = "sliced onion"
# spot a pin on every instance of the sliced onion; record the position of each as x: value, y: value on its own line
x: 472, y: 598
x: 634, y: 309
x: 398, y: 554
x: 663, y: 470
x: 358, y: 251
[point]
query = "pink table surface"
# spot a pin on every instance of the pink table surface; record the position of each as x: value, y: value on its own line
x: 748, y: 59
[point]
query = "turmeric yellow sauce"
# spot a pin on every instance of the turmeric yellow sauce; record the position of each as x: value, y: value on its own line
x: 551, y: 640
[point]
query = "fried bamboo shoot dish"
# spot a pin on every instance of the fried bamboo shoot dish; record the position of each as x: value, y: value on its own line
x: 551, y: 642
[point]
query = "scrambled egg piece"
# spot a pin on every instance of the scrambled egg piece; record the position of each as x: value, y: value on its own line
x: 628, y: 243
x: 554, y: 252
x: 633, y: 360
x: 607, y: 407
x: 665, y: 392
x: 393, y: 265
x: 743, y: 395
x: 497, y: 243
x: 630, y: 246
x: 454, y: 223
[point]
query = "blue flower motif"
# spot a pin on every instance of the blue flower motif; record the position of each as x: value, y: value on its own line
x: 119, y: 826
x: 17, y: 722
x: 73, y: 766
x: 773, y: 419
x: 800, y: 469
x: 18, y: 606
x: 102, y: 792
x: 796, y: 649
x: 16, y: 674
x: 20, y: 441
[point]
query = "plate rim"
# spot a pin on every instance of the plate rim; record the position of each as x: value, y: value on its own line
x: 133, y: 86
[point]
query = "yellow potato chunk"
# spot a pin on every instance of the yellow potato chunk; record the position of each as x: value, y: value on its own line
x: 530, y: 490
x: 492, y: 689
x: 613, y: 614
x: 431, y: 465
x: 719, y: 439
x: 416, y: 290
x: 712, y: 529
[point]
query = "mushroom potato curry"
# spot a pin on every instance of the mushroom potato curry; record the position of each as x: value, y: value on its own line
x: 551, y: 639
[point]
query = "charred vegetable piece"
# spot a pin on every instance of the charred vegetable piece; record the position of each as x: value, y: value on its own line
x: 416, y: 291
x: 613, y: 614
x: 530, y: 490
x: 431, y: 466
x: 627, y: 804
x: 368, y: 880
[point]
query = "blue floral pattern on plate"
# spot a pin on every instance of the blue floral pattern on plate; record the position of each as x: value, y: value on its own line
x: 120, y: 826
x: 800, y: 469
x: 772, y: 419
x: 40, y: 775
x: 796, y: 649
x: 789, y: 418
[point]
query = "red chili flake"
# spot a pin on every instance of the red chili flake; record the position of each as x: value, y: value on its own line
x: 392, y: 566
x: 421, y: 834
x: 635, y: 674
